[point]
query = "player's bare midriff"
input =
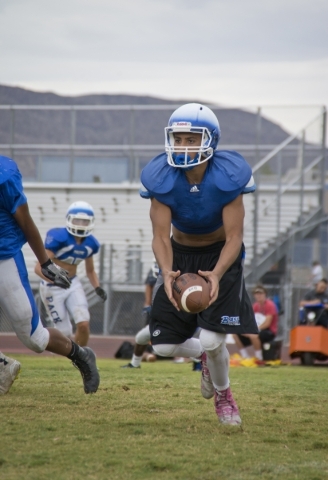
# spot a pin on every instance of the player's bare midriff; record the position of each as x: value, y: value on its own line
x: 198, y: 240
x: 71, y: 269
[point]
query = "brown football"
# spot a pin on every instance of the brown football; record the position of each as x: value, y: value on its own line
x: 191, y: 292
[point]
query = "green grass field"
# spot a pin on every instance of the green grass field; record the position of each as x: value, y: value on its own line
x: 153, y: 423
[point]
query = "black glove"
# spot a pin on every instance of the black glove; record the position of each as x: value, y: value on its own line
x: 56, y: 274
x: 101, y: 293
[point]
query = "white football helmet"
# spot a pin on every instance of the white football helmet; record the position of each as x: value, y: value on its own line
x: 80, y: 219
x: 194, y: 118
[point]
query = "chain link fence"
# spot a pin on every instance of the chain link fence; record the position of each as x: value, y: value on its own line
x: 122, y: 271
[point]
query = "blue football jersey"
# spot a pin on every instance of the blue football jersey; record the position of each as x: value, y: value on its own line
x: 197, y: 209
x: 12, y: 196
x: 64, y: 246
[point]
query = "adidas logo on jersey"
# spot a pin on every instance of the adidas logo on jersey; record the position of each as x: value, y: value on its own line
x: 194, y: 189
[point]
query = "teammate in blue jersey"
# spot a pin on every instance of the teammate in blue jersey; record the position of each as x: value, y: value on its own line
x: 196, y: 193
x: 68, y: 247
x: 16, y: 298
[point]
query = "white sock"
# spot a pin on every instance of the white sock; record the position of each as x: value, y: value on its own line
x: 244, y: 353
x: 136, y: 360
x: 258, y: 354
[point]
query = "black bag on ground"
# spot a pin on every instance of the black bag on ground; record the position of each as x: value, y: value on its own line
x: 125, y: 351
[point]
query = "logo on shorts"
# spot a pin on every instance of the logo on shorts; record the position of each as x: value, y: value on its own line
x: 156, y: 333
x: 225, y: 320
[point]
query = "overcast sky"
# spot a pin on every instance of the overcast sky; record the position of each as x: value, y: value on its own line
x: 230, y: 52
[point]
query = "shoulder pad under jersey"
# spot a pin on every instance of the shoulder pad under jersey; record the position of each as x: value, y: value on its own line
x: 55, y: 237
x: 7, y: 168
x: 157, y: 176
x: 231, y: 170
x: 250, y: 187
x: 143, y: 192
x: 93, y: 242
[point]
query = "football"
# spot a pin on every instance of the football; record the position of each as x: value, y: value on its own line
x: 191, y: 292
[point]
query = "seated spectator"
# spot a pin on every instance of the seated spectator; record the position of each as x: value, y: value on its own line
x: 318, y: 296
x: 266, y: 315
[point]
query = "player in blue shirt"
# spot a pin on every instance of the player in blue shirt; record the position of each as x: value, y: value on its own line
x: 16, y: 298
x: 196, y: 193
x: 68, y: 247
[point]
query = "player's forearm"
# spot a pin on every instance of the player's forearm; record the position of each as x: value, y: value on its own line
x: 31, y: 232
x: 309, y: 302
x: 37, y: 270
x: 228, y: 255
x: 93, y: 279
x: 34, y: 240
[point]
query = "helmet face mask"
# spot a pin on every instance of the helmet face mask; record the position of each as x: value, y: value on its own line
x: 191, y: 118
x: 80, y: 219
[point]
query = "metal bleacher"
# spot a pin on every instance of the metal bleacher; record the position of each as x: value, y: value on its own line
x: 122, y: 220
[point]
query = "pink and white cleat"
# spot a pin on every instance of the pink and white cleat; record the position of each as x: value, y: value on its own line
x: 226, y: 407
x: 206, y: 385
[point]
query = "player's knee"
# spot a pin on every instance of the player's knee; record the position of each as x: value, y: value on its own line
x: 143, y: 336
x: 211, y: 340
x: 36, y: 348
x: 164, y: 350
x: 81, y: 315
x: 38, y: 341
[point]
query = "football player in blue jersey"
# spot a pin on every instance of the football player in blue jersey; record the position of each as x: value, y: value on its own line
x: 68, y: 247
x: 16, y: 298
x: 197, y: 215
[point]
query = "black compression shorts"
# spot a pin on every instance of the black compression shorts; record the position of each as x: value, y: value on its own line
x: 232, y: 312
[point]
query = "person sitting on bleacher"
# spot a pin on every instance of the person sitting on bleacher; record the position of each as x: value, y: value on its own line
x: 266, y: 315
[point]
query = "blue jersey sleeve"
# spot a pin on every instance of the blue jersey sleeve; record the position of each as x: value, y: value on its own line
x: 54, y: 239
x: 12, y: 194
x: 95, y: 245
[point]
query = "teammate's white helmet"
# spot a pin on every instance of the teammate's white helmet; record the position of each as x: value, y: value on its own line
x: 80, y: 219
x: 194, y: 118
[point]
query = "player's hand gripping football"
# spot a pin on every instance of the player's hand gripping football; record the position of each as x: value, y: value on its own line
x: 169, y: 278
x: 56, y: 274
x: 101, y: 293
x: 213, y: 280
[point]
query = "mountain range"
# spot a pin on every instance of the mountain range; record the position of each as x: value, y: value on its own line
x: 143, y: 127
